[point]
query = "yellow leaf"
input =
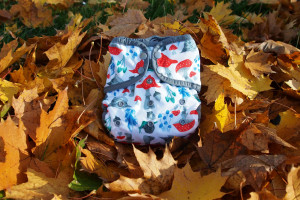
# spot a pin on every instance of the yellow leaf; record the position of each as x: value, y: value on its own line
x: 8, y: 55
x: 221, y: 12
x: 60, y: 53
x: 41, y: 187
x: 191, y: 185
x: 221, y: 112
x: 240, y: 78
x: 13, y: 154
x: 293, y: 186
x: 7, y: 91
x: 216, y: 85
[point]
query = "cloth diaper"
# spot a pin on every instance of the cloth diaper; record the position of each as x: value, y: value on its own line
x: 151, y: 91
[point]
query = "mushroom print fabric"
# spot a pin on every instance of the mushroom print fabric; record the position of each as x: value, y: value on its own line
x: 151, y: 91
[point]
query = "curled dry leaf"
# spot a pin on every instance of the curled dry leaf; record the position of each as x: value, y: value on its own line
x: 213, y: 45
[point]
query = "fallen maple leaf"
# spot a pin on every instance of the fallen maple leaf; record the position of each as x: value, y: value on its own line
x: 218, y: 118
x: 158, y: 174
x: 7, y: 92
x: 14, y: 163
x: 213, y: 44
x: 240, y: 78
x: 47, y: 122
x: 218, y: 147
x: 60, y: 53
x: 191, y: 185
x: 32, y: 14
x: 93, y: 165
x: 222, y: 13
x: 293, y: 186
x: 254, y: 167
x: 41, y: 187
x: 10, y: 55
x: 126, y: 25
x: 258, y: 63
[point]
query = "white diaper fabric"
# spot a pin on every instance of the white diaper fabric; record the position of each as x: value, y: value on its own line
x: 152, y: 89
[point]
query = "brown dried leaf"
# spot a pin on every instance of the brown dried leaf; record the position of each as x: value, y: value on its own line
x: 258, y: 63
x: 32, y: 14
x: 218, y: 146
x: 126, y: 25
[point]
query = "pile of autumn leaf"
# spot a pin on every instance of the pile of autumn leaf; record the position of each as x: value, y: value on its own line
x: 247, y: 146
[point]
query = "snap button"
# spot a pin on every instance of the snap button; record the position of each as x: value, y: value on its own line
x: 150, y: 103
x: 182, y: 101
x: 150, y: 124
x: 120, y: 103
x: 157, y: 54
x: 141, y: 70
x: 143, y: 56
x: 149, y: 80
x: 182, y: 121
x: 117, y: 123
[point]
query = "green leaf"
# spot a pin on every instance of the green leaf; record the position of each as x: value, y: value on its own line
x: 2, y: 194
x: 85, y: 181
x: 167, y: 99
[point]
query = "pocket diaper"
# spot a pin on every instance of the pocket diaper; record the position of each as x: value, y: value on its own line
x: 151, y: 91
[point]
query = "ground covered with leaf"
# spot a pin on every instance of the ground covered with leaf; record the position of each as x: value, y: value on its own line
x: 53, y: 65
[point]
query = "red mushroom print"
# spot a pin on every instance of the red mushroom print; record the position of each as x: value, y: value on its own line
x: 194, y: 112
x: 173, y: 47
x: 114, y: 50
x: 192, y: 73
x: 108, y: 76
x: 125, y: 90
x: 137, y: 67
x: 121, y: 137
x: 182, y: 64
x: 165, y: 61
x: 176, y: 112
x: 185, y: 127
x: 137, y: 98
x: 146, y: 84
